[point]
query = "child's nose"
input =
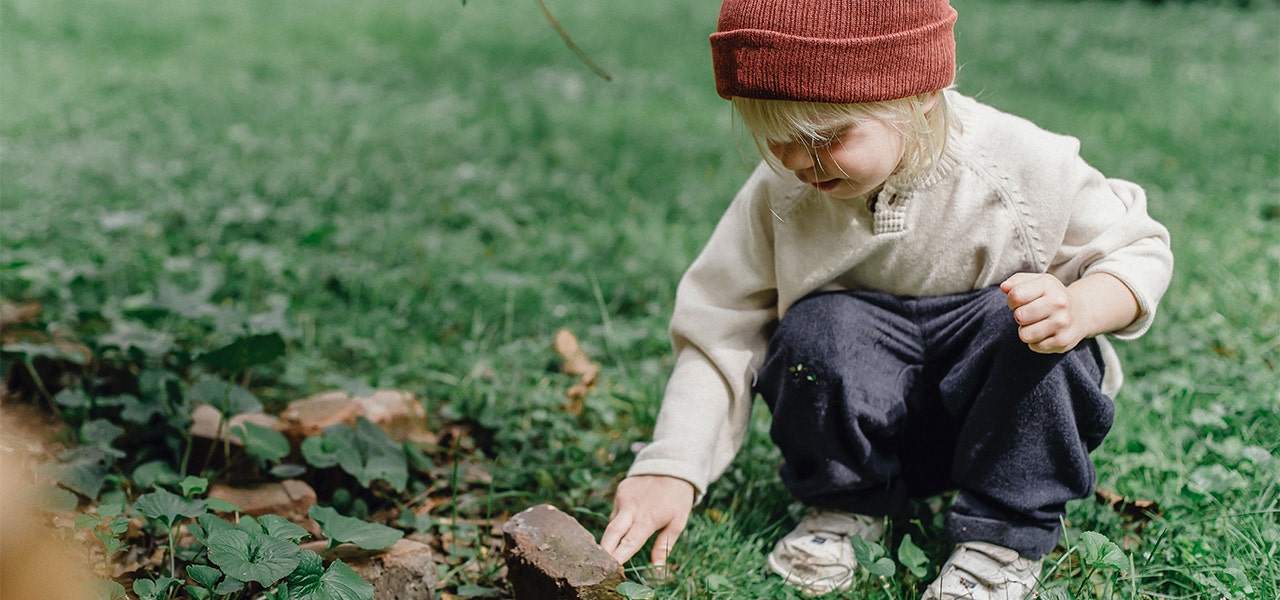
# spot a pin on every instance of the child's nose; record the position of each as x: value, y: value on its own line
x: 792, y: 156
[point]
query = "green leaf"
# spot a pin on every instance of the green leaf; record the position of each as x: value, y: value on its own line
x: 366, y: 452
x: 264, y: 444
x: 871, y: 556
x: 469, y: 590
x: 192, y: 485
x: 56, y: 499
x: 253, y: 556
x: 109, y: 542
x: 104, y: 589
x: 87, y: 521
x: 82, y: 470
x: 148, y: 589
x: 1099, y: 551
x: 118, y: 525
x: 207, y: 525
x: 634, y: 591
x: 716, y: 581
x: 198, y: 593
x: 72, y: 398
x: 340, y: 529
x: 229, y: 586
x: 220, y: 505
x: 327, y: 450
x: 339, y: 582
x: 101, y: 433
x: 280, y: 527
x: 140, y: 411
x: 307, y: 574
x: 249, y: 351
x: 168, y: 508
x: 913, y: 558
x: 203, y: 575
x: 1216, y: 479
x: 1055, y: 593
x: 228, y: 399
x: 383, y: 457
x: 153, y: 473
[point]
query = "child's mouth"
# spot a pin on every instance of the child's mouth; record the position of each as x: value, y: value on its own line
x: 826, y: 186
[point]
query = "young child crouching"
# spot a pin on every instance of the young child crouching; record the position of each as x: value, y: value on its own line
x: 915, y: 283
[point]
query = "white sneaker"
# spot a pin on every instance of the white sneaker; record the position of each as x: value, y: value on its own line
x: 983, y: 571
x: 816, y: 556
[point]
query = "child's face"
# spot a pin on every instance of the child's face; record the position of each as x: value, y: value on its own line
x: 855, y: 162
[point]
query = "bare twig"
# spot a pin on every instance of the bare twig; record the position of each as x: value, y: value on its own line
x: 564, y: 35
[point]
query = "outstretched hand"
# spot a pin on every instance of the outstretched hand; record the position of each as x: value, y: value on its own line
x: 642, y: 506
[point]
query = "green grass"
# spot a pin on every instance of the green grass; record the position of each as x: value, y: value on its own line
x: 419, y: 194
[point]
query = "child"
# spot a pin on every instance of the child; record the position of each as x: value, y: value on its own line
x: 914, y: 283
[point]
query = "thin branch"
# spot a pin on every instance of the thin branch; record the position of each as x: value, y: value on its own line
x: 564, y: 35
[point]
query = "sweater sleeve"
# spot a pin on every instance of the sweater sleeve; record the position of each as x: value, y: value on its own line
x: 1109, y: 231
x: 726, y: 304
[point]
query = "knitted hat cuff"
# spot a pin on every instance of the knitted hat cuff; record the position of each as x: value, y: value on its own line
x: 756, y: 63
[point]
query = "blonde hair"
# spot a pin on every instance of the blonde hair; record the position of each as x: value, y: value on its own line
x: 817, y: 123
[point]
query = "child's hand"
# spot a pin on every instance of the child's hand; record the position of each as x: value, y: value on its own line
x: 645, y: 504
x: 1046, y: 315
x: 1053, y: 318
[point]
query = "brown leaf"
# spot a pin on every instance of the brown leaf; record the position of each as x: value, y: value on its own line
x: 1133, y: 509
x: 12, y: 313
x: 576, y: 362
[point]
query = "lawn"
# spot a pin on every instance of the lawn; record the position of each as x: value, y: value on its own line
x: 418, y: 195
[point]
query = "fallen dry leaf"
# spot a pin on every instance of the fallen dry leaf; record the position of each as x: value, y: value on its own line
x: 13, y: 313
x: 576, y: 362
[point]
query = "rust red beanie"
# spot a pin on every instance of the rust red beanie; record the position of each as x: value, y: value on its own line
x: 844, y: 51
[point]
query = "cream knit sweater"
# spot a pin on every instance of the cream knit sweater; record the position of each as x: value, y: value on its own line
x: 1005, y: 197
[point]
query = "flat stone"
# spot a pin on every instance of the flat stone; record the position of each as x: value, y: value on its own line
x: 404, y: 571
x: 309, y: 416
x: 550, y: 556
x: 397, y: 412
x: 205, y: 420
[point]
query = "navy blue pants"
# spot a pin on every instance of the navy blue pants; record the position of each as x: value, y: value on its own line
x: 878, y: 398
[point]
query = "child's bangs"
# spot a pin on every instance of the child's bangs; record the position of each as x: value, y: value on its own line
x: 786, y: 121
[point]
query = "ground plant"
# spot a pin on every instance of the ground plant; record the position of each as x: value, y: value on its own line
x: 238, y: 204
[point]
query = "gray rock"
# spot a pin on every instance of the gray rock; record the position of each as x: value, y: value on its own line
x: 550, y: 556
x: 405, y: 571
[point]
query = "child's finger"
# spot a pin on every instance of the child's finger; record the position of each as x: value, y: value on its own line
x: 613, y: 535
x: 663, y: 543
x: 1022, y: 288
